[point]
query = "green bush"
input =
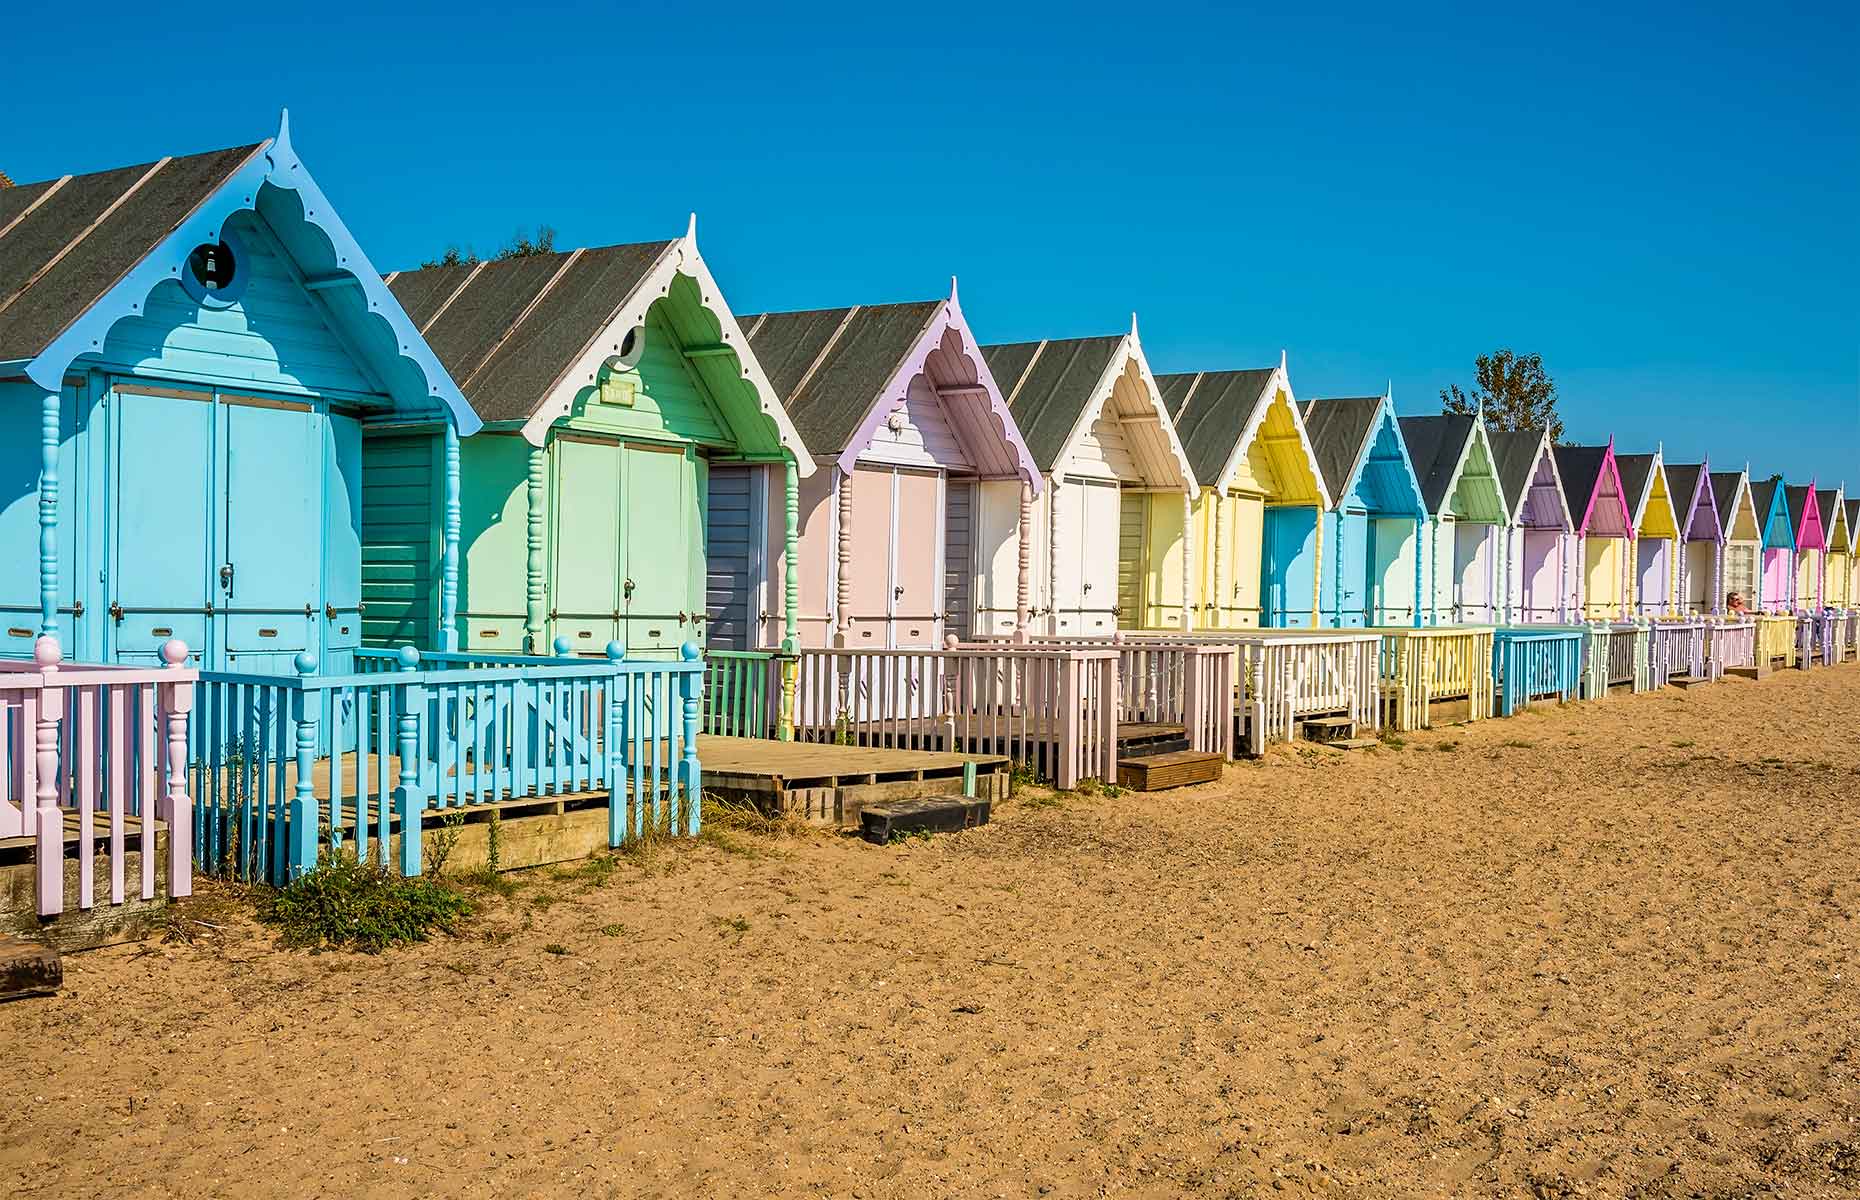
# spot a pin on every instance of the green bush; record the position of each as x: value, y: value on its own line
x: 361, y: 906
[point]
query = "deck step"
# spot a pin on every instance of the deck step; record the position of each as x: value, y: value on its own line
x: 1354, y: 743
x: 1177, y: 768
x: 925, y: 814
x: 1327, y: 729
x: 28, y: 969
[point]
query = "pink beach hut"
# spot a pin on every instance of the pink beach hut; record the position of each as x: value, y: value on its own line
x: 1701, y: 538
x: 928, y: 483
x: 1604, y: 530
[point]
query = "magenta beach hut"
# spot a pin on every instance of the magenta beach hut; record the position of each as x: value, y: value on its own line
x: 1811, y: 547
x: 1604, y: 529
x: 926, y: 484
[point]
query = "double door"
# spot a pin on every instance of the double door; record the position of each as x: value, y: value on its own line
x: 627, y: 546
x: 898, y: 572
x: 224, y: 548
x: 1089, y: 548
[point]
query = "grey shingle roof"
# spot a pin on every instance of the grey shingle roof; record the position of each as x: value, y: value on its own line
x: 67, y: 242
x: 1634, y: 470
x: 1514, y: 454
x: 1211, y: 410
x: 1683, y: 482
x: 1581, y: 469
x: 1435, y: 445
x: 1338, y: 429
x: 1048, y: 385
x: 508, y: 330
x: 1724, y: 491
x: 863, y: 346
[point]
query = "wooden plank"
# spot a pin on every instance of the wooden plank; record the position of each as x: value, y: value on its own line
x: 1177, y: 768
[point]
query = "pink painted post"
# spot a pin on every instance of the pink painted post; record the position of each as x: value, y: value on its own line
x: 177, y: 703
x: 48, y: 820
x: 842, y: 616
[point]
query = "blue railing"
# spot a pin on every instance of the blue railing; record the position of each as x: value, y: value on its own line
x: 285, y: 767
x: 1536, y: 663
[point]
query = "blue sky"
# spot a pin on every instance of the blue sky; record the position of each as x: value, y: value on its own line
x: 1663, y: 201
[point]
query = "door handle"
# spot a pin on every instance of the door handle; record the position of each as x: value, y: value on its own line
x: 629, y: 589
x: 226, y: 578
x: 898, y: 592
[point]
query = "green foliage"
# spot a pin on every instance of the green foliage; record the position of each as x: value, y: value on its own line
x: 360, y: 906
x: 520, y: 245
x: 443, y: 841
x: 1514, y: 390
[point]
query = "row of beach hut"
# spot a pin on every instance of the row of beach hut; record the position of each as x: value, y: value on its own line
x: 513, y: 511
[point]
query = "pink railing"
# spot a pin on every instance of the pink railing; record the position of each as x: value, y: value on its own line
x: 99, y: 748
x: 1730, y: 644
x: 1052, y: 709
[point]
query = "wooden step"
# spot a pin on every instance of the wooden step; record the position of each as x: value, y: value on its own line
x: 1177, y: 768
x: 880, y: 823
x: 1326, y: 729
x: 28, y: 969
x: 1350, y: 744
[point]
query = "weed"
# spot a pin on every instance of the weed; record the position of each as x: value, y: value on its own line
x: 461, y: 968
x: 556, y: 948
x: 494, y: 842
x: 1393, y: 740
x: 899, y: 837
x: 730, y: 926
x: 1022, y: 775
x: 443, y: 841
x: 1447, y: 747
x: 544, y: 901
x: 593, y: 872
x: 1040, y: 798
x: 729, y: 844
x: 1684, y: 744
x: 739, y: 817
x: 614, y: 930
x: 1516, y: 744
x: 343, y: 903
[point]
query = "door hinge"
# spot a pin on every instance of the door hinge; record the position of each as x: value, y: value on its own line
x: 116, y: 611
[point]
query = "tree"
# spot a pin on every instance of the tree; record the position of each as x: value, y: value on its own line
x: 520, y: 245
x: 1514, y: 390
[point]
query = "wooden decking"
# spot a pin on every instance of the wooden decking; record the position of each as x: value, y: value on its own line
x: 100, y: 828
x: 830, y: 784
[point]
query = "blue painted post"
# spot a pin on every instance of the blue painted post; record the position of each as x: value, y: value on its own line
x: 408, y: 699
x: 449, y: 578
x: 48, y: 515
x: 303, y: 802
x: 1421, y: 527
x: 535, y: 591
x: 616, y: 748
x: 689, y: 685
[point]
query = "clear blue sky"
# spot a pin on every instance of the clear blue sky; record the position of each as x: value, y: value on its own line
x: 1662, y: 201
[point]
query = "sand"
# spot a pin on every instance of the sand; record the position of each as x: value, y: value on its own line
x: 1601, y: 950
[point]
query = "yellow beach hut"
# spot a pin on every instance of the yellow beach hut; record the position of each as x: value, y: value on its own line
x: 1247, y: 445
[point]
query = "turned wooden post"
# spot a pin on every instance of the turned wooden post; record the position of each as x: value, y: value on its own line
x: 536, y: 607
x: 449, y: 573
x: 789, y: 665
x: 48, y: 519
x: 303, y: 816
x: 616, y: 775
x: 46, y: 819
x: 1023, y: 578
x: 408, y: 803
x: 690, y: 685
x: 177, y: 702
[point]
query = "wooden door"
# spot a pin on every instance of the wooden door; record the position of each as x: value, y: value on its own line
x: 165, y: 513
x: 1653, y: 582
x: 268, y: 578
x: 661, y: 528
x: 586, y: 599
x: 868, y: 581
x: 1352, y: 594
x: 1288, y: 566
x: 917, y: 579
x: 1472, y: 573
x: 1099, y: 553
x: 731, y: 533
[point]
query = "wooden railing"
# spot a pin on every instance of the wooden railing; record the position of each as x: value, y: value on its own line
x: 1536, y: 664
x: 1421, y: 667
x: 1815, y: 639
x: 1628, y: 664
x: 97, y: 747
x: 1730, y: 644
x: 1847, y: 627
x: 742, y: 693
x: 285, y: 767
x: 1168, y: 679
x: 1676, y: 648
x: 1776, y: 640
x: 1289, y: 676
x: 1052, y: 709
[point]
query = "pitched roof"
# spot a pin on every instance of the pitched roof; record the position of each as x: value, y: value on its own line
x: 1825, y: 500
x: 1635, y: 470
x: 1763, y: 493
x: 1212, y: 410
x: 1048, y: 385
x: 1435, y: 447
x: 1514, y: 455
x: 1581, y: 469
x: 1682, y: 482
x: 829, y: 364
x: 65, y: 242
x: 509, y: 330
x: 1339, y: 428
x: 1853, y: 521
x: 1724, y: 490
